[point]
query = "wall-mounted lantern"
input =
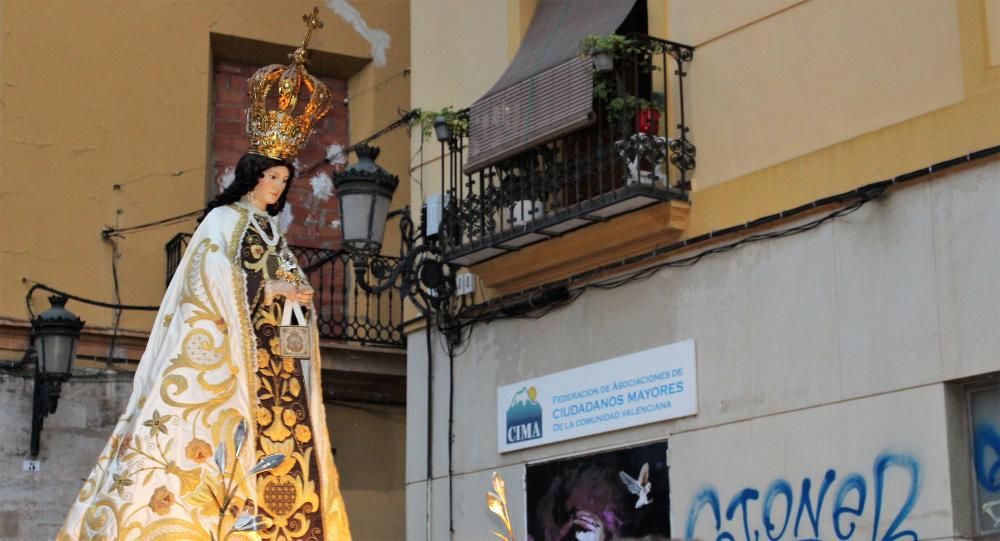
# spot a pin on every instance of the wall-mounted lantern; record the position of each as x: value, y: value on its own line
x: 54, y: 333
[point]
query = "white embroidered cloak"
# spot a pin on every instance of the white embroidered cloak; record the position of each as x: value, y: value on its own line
x: 172, y: 457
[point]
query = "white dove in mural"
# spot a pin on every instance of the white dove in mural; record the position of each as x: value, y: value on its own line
x: 640, y: 487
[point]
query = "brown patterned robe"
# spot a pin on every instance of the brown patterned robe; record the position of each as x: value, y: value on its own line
x: 289, y: 494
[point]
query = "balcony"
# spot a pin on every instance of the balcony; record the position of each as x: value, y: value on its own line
x: 624, y: 161
x: 345, y: 312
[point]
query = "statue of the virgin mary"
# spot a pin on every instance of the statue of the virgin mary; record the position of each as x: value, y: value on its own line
x: 224, y: 436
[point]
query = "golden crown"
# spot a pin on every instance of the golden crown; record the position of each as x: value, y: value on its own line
x: 280, y: 133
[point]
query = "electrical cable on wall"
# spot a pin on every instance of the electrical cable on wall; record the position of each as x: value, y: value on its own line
x: 111, y: 231
x: 403, y: 120
x: 177, y: 173
x: 576, y: 285
x: 117, y: 312
x: 117, y: 307
x: 403, y: 72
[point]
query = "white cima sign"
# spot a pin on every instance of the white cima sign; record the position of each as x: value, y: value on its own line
x: 631, y: 390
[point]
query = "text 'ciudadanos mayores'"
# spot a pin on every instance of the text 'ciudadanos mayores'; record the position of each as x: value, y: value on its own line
x: 643, y: 390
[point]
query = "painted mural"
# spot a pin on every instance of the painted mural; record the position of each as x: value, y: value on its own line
x: 618, y: 495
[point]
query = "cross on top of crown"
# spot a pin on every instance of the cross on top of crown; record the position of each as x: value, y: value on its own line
x: 312, y: 23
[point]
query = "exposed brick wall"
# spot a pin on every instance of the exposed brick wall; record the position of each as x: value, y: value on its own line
x: 312, y: 209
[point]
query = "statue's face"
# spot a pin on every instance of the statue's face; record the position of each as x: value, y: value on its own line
x: 271, y: 184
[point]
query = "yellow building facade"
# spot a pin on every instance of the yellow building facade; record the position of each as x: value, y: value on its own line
x: 819, y: 339
x: 820, y: 106
x: 107, y: 122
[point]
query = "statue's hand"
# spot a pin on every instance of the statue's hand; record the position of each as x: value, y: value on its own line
x: 304, y: 294
x: 279, y: 288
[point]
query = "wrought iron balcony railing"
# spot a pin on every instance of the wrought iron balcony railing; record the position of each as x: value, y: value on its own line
x: 344, y: 311
x: 623, y: 161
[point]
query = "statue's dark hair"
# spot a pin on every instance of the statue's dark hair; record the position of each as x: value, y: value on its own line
x: 249, y: 170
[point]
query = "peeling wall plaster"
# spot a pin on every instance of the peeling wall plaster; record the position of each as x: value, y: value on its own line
x: 285, y: 218
x: 379, y: 39
x: 227, y: 178
x: 322, y: 186
x: 335, y: 153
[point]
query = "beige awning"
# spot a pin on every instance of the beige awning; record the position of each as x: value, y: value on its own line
x: 548, y: 88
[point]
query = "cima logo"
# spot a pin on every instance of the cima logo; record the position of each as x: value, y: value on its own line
x: 524, y: 416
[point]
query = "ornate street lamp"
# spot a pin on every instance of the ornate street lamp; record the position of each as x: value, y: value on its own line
x: 365, y: 190
x: 55, y: 332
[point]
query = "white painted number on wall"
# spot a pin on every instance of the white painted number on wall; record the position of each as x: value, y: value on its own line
x: 31, y: 465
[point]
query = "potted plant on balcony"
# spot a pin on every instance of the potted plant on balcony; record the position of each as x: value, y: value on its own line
x: 624, y: 108
x: 603, y: 50
x: 647, y: 120
x: 446, y: 123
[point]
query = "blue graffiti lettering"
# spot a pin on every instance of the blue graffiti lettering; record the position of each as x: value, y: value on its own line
x: 805, y: 504
x: 740, y: 501
x: 783, y: 488
x: 852, y: 482
x: 849, y: 504
x: 881, y: 464
x: 985, y: 439
x: 707, y: 496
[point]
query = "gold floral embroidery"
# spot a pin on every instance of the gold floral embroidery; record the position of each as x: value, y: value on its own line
x: 289, y: 494
x: 289, y: 417
x: 263, y: 359
x: 158, y: 423
x: 198, y: 450
x: 289, y: 499
x: 141, y: 485
x: 278, y: 431
x: 120, y: 482
x: 303, y: 434
x: 263, y: 416
x: 161, y: 500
